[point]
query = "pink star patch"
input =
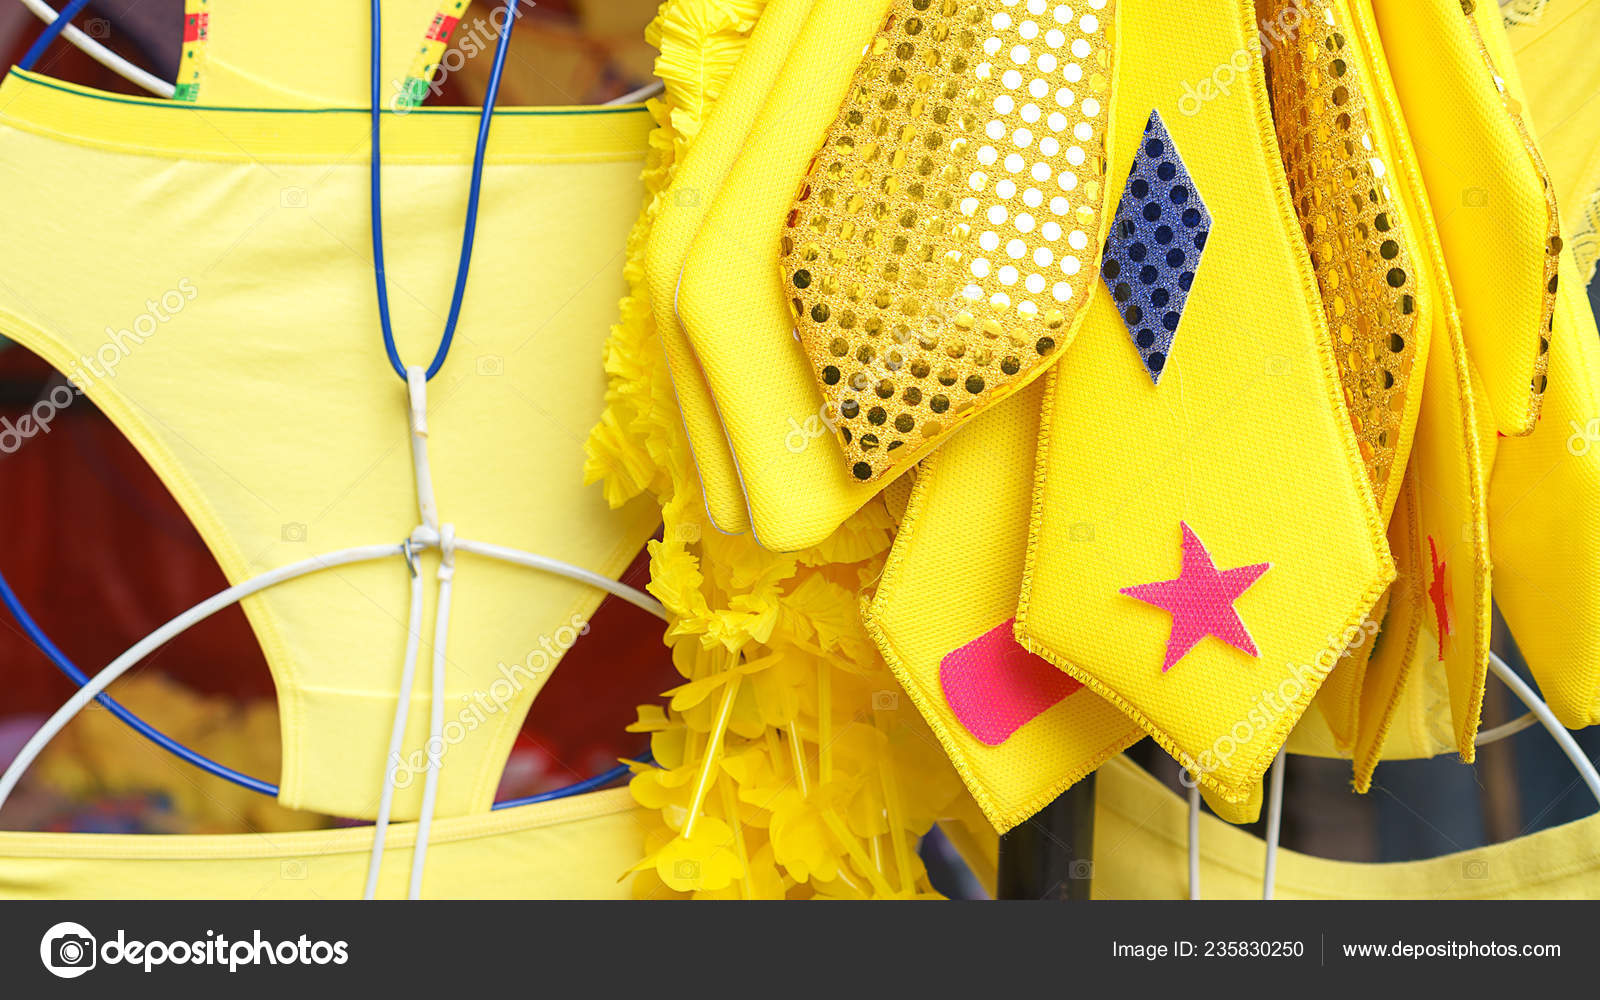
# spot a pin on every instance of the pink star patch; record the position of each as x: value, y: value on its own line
x: 1201, y: 600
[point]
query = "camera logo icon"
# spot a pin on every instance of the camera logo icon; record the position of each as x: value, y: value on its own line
x: 491, y: 364
x: 1475, y: 868
x: 886, y: 701
x: 294, y: 531
x: 293, y: 197
x: 68, y: 950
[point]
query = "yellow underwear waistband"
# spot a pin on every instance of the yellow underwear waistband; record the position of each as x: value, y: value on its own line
x: 172, y: 129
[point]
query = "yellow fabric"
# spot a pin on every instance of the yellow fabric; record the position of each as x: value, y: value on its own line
x: 806, y: 773
x: 1394, y: 653
x: 1404, y: 697
x: 261, y: 55
x: 1339, y: 698
x: 1336, y: 150
x: 735, y: 311
x: 1488, y: 191
x: 1141, y: 852
x: 951, y: 577
x: 1554, y: 49
x: 684, y: 206
x: 929, y: 277
x: 265, y: 403
x: 1246, y: 440
x: 575, y: 848
x: 1544, y: 510
x: 1455, y: 431
x: 1243, y: 812
x: 1329, y: 109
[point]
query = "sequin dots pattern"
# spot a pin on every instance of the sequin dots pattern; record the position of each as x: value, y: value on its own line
x: 1354, y: 227
x: 1155, y: 246
x: 948, y: 230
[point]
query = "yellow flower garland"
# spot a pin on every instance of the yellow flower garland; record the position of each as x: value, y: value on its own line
x: 789, y: 766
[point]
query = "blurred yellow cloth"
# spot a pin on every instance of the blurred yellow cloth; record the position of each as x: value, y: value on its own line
x: 575, y: 848
x: 1141, y: 852
x: 98, y: 754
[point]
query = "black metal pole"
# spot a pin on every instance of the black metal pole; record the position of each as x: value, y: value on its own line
x: 1050, y: 855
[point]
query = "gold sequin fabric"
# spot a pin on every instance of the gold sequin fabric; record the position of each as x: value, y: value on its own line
x: 949, y: 229
x: 1353, y: 226
x: 1553, y: 244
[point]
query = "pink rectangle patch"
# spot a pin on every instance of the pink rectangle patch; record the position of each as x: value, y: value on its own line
x: 995, y: 687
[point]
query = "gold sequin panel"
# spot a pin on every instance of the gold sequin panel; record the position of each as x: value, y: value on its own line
x: 950, y: 226
x: 1352, y: 222
x: 1553, y: 244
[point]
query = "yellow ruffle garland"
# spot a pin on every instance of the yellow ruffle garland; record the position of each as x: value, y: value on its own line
x: 789, y: 764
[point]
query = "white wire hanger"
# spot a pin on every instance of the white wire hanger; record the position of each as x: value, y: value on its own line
x: 430, y: 534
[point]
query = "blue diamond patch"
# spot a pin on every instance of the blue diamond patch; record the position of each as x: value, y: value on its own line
x: 1157, y: 238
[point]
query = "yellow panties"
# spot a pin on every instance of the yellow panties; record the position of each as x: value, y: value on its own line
x: 950, y: 582
x: 203, y: 274
x: 575, y: 848
x: 683, y: 207
x: 1245, y: 442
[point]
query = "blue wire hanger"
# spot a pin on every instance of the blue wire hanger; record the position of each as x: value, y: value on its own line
x: 60, y: 659
x: 50, y: 33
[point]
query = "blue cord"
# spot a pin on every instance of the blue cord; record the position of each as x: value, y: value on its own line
x: 595, y: 783
x: 65, y: 665
x: 470, y: 228
x: 143, y: 728
x: 60, y: 659
x: 51, y: 31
